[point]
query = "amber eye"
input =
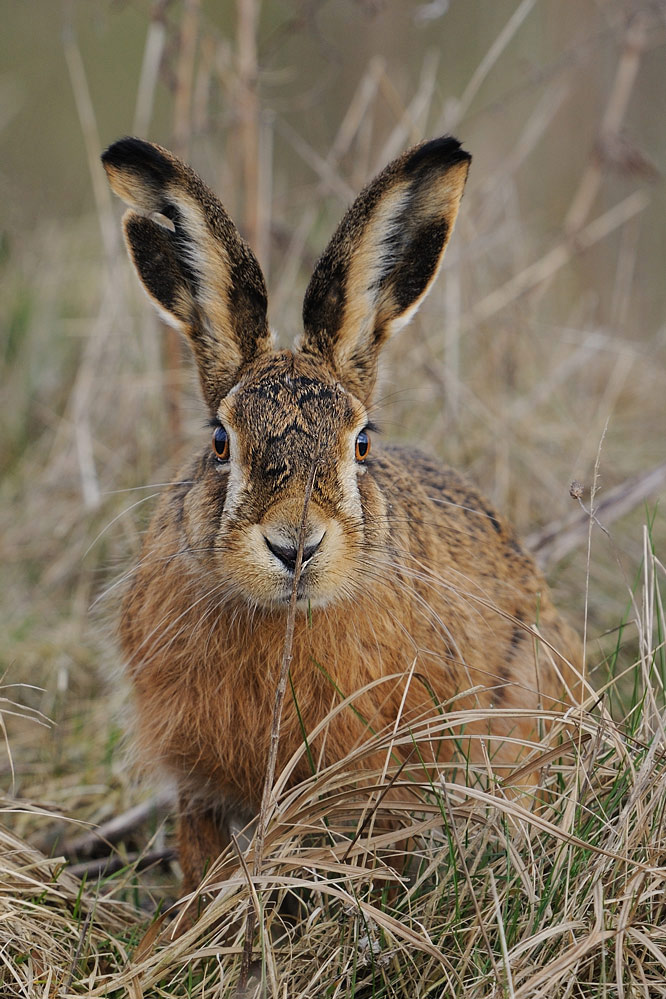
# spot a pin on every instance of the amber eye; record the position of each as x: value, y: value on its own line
x: 221, y: 444
x: 362, y: 445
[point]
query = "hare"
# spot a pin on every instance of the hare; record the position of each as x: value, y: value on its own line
x: 406, y: 567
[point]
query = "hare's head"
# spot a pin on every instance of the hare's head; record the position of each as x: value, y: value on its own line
x: 273, y: 413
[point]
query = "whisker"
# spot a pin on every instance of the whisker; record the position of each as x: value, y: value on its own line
x: 149, y: 485
x: 144, y: 499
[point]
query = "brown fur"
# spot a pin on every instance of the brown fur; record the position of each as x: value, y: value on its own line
x: 412, y: 578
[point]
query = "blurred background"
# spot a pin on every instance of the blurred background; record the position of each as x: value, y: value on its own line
x: 539, y: 358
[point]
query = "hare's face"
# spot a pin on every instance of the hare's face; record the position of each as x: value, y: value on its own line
x: 274, y: 412
x: 284, y: 412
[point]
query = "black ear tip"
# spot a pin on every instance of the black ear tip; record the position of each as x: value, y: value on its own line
x: 444, y: 151
x: 131, y: 153
x: 127, y: 148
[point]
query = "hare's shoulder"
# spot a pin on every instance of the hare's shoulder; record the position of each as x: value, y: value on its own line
x: 439, y: 497
x: 431, y: 481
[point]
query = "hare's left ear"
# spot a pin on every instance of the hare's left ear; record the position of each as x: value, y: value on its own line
x: 198, y: 271
x: 382, y: 260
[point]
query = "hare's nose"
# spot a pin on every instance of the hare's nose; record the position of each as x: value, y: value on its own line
x: 287, y: 553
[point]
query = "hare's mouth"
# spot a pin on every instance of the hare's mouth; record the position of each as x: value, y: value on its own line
x: 306, y: 592
x: 310, y: 593
x: 303, y: 598
x: 262, y: 563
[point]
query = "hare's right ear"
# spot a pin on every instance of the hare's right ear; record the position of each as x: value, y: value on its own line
x: 193, y: 263
x: 382, y: 260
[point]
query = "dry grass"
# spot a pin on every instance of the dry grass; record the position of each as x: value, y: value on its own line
x: 503, y: 895
x: 537, y: 345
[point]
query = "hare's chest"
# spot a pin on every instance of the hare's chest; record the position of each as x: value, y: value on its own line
x: 208, y: 719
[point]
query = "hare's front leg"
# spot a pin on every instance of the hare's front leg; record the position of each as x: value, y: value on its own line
x: 202, y: 836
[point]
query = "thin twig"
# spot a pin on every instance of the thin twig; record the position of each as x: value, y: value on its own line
x: 373, y: 811
x: 182, y: 133
x: 461, y: 859
x: 287, y: 656
x: 618, y: 101
x: 498, y: 46
x: 555, y: 259
x: 554, y: 542
x: 117, y: 828
x: 79, y: 948
x: 247, y: 16
x: 269, y: 779
x: 91, y: 869
x: 90, y: 132
x: 502, y: 935
x: 150, y: 68
x: 182, y: 111
x: 411, y: 118
x: 83, y: 435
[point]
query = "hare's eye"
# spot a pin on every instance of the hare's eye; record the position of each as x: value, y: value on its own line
x: 362, y: 445
x: 221, y: 444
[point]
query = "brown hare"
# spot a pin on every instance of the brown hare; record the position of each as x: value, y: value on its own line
x: 405, y: 565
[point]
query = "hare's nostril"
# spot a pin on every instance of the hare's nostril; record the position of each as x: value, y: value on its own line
x: 287, y: 553
x: 309, y: 550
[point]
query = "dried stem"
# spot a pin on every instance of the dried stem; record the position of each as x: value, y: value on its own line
x: 556, y: 258
x: 462, y: 861
x: 182, y: 112
x: 557, y: 540
x: 79, y: 947
x: 375, y: 807
x: 105, y: 866
x: 182, y: 131
x: 97, y: 842
x: 287, y: 655
x: 635, y: 41
x: 248, y: 113
x: 150, y: 68
x: 90, y: 132
x: 488, y: 62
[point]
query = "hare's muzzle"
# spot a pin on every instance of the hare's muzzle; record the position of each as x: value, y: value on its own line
x: 287, y: 554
